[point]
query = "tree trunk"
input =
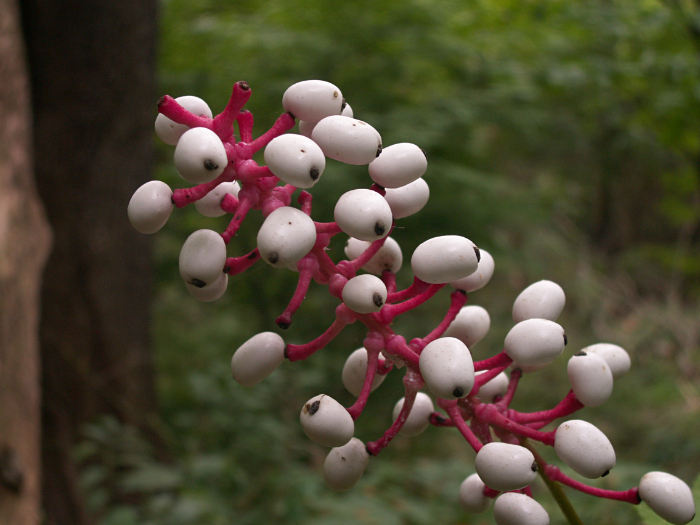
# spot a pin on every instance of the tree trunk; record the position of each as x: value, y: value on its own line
x: 92, y: 65
x: 24, y: 245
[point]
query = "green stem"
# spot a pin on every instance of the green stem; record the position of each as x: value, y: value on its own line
x: 555, y: 488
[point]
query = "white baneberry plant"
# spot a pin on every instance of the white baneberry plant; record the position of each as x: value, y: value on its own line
x: 474, y: 396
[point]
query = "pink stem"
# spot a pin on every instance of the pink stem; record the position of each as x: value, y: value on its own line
x: 566, y: 406
x: 284, y: 123
x: 505, y: 401
x: 492, y: 362
x: 374, y: 343
x: 379, y: 189
x: 389, y: 279
x: 229, y: 203
x: 327, y: 265
x: 250, y: 171
x: 327, y: 227
x: 417, y: 287
x: 490, y: 415
x: 245, y: 203
x: 223, y: 122
x: 391, y: 311
x: 364, y: 258
x: 397, y: 346
x: 412, y: 383
x: 305, y: 199
x: 484, y: 378
x: 491, y: 493
x: 183, y: 196
x: 453, y: 411
x: 527, y: 491
x: 629, y: 496
x: 169, y: 107
x: 481, y: 430
x: 299, y: 352
x: 245, y: 125
x: 236, y: 265
x: 307, y: 267
x: 457, y: 300
x: 438, y: 420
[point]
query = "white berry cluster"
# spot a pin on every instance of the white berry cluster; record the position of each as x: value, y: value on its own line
x: 475, y: 396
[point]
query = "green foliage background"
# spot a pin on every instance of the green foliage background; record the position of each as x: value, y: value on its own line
x: 562, y: 138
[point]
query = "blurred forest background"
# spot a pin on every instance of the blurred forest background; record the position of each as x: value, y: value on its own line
x: 562, y: 137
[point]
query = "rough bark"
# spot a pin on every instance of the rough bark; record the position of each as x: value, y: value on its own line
x: 24, y: 244
x: 92, y: 65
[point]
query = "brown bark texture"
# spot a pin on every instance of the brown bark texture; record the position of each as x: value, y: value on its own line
x: 92, y: 68
x: 24, y: 245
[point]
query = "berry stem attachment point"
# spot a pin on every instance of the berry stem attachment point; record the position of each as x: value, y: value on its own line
x: 169, y: 107
x: 391, y: 311
x: 236, y: 265
x: 492, y: 362
x: 566, y: 406
x: 223, y: 122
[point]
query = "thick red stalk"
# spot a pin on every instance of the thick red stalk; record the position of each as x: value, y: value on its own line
x: 391, y: 311
x: 484, y: 378
x: 458, y: 299
x: 327, y: 227
x: 305, y: 199
x: 245, y: 122
x: 298, y: 352
x: 492, y: 362
x: 489, y: 414
x: 351, y: 267
x: 223, y: 122
x: 284, y: 123
x: 246, y: 201
x: 236, y: 265
x: 456, y: 416
x: 373, y: 343
x: 416, y: 288
x: 169, y: 107
x: 396, y: 346
x: 629, y: 496
x: 184, y: 196
x: 566, y: 406
x: 506, y: 400
x: 307, y: 267
x: 389, y: 279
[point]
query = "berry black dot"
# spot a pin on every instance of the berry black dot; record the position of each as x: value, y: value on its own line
x: 377, y: 300
x: 211, y: 165
x: 379, y: 228
x: 478, y: 254
x: 424, y: 153
x: 534, y: 466
x: 314, y: 173
x: 580, y: 354
x: 458, y: 392
x: 312, y: 408
x: 342, y: 107
x: 198, y: 283
x: 379, y: 150
x: 605, y: 473
x: 244, y: 85
x: 273, y: 257
x: 566, y: 341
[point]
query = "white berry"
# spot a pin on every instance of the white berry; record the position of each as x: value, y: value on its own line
x: 200, y: 156
x: 535, y: 342
x: 590, y: 378
x: 210, y: 292
x: 347, y: 139
x: 365, y: 294
x: 202, y: 258
x: 210, y: 204
x: 447, y: 368
x: 389, y: 256
x: 505, y: 467
x: 326, y: 422
x: 398, y: 165
x: 257, y: 358
x: 418, y: 418
x: 408, y: 200
x: 295, y: 159
x: 584, y: 448
x: 617, y: 357
x: 150, y: 207
x: 363, y: 214
x: 470, y: 326
x: 170, y: 132
x: 354, y: 372
x: 480, y: 277
x: 495, y: 387
x: 668, y: 496
x: 345, y: 465
x: 471, y: 495
x: 443, y: 259
x: 286, y: 236
x: 541, y: 300
x: 512, y: 508
x: 312, y: 100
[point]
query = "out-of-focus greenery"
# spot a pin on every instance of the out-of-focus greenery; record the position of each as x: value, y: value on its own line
x: 562, y: 138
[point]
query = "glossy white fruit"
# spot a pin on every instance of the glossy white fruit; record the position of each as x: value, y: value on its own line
x: 512, y: 508
x: 211, y: 292
x: 480, y: 277
x: 170, y: 132
x: 535, y: 342
x: 286, y: 236
x: 389, y: 256
x: 496, y: 387
x: 617, y: 358
x: 306, y: 127
x: 447, y: 368
x: 668, y: 496
x: 345, y: 465
x: 354, y: 372
x: 505, y: 467
x: 295, y: 159
x: 443, y: 259
x: 326, y: 422
x: 590, y: 378
x: 408, y: 200
x: 363, y: 214
x: 150, y: 207
x: 398, y: 165
x: 210, y: 204
x: 202, y: 258
x: 200, y: 156
x: 347, y: 139
x: 471, y: 495
x: 419, y: 417
x: 470, y: 326
x: 312, y: 100
x: 347, y: 111
x: 257, y: 358
x: 364, y: 294
x: 584, y: 448
x: 541, y: 300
